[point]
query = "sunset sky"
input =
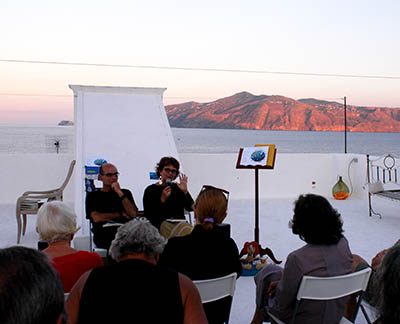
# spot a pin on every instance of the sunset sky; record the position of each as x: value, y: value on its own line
x: 342, y: 37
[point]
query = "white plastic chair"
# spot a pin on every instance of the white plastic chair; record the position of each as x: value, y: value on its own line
x: 329, y: 288
x: 30, y: 201
x: 103, y: 253
x: 188, y: 216
x: 369, y: 311
x: 214, y: 289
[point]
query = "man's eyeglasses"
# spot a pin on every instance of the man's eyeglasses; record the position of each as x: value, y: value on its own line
x: 111, y: 174
x: 208, y: 187
x: 173, y: 171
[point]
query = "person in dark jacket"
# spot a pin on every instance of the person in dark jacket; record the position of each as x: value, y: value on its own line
x: 111, y: 204
x: 207, y: 252
x: 167, y: 200
x: 383, y: 291
x: 388, y: 286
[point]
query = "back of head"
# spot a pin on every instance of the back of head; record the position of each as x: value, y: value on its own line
x: 135, y: 237
x: 56, y: 222
x: 210, y: 207
x: 389, y: 286
x: 31, y: 291
x: 316, y: 221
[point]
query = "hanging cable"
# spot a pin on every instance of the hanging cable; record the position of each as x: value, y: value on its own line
x: 204, y: 69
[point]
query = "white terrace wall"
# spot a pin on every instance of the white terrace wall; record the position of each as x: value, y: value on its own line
x: 33, y: 172
x: 293, y: 174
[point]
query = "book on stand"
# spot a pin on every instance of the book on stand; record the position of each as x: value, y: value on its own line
x: 260, y: 156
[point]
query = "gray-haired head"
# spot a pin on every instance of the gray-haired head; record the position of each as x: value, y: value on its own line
x: 137, y: 236
x: 56, y: 221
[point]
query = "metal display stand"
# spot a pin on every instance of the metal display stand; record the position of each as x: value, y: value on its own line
x: 257, y: 157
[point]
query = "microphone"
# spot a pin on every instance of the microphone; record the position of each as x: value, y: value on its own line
x: 168, y: 182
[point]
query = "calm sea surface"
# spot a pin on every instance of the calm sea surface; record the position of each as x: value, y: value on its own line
x: 42, y: 139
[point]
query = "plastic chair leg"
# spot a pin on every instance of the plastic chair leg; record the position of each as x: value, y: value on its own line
x: 19, y: 230
x: 24, y: 222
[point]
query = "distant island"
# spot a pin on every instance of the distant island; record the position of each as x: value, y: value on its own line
x: 66, y: 123
x: 272, y: 112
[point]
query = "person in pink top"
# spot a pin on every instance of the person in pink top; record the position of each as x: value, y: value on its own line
x: 56, y: 224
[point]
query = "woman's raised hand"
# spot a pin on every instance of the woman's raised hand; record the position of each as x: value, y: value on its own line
x: 183, y: 179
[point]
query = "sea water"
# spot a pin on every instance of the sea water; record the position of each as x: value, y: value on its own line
x: 53, y: 139
x: 190, y: 140
x: 36, y: 139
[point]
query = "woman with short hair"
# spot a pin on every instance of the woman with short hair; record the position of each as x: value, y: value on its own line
x: 326, y: 254
x: 56, y: 224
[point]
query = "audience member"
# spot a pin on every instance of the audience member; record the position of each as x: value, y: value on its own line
x: 30, y: 290
x: 135, y: 287
x: 109, y: 206
x: 56, y: 224
x: 371, y: 294
x: 207, y: 252
x: 388, y: 287
x: 326, y: 254
x: 167, y: 199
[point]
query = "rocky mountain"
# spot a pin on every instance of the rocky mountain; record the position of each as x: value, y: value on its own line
x: 244, y: 110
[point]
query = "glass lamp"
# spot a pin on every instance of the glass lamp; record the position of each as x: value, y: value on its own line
x: 340, y: 190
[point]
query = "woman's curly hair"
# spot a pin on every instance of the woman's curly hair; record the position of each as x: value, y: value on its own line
x: 316, y: 221
x: 167, y: 160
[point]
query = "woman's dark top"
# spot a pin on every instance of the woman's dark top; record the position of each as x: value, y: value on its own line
x: 131, y: 291
x: 204, y: 255
x: 173, y: 208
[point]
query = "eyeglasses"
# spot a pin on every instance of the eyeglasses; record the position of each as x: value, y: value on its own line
x: 111, y: 174
x: 208, y: 187
x: 173, y: 171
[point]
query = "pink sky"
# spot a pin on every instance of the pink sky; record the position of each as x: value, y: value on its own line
x: 320, y: 37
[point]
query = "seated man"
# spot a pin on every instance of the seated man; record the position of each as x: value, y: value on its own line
x: 30, y: 289
x: 135, y: 288
x: 110, y: 205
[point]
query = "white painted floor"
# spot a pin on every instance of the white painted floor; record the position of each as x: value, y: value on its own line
x: 366, y: 235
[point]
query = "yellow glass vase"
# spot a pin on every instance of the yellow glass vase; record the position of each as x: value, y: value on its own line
x: 340, y: 190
